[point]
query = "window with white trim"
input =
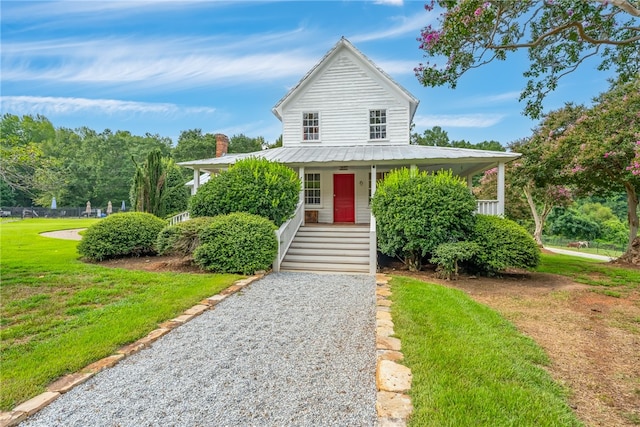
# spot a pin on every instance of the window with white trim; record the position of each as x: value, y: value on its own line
x: 377, y: 124
x: 312, y: 189
x: 310, y: 126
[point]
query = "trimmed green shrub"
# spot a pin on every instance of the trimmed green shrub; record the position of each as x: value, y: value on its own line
x: 120, y: 235
x: 448, y: 255
x: 237, y: 243
x: 181, y: 238
x: 417, y: 211
x: 252, y: 185
x: 503, y: 244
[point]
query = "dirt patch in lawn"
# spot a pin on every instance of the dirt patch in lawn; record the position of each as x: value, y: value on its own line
x: 592, y: 339
x: 155, y: 263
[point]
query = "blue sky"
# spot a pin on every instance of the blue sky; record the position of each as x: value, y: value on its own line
x: 163, y: 67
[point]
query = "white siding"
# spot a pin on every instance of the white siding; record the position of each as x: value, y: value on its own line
x: 363, y: 213
x: 343, y: 94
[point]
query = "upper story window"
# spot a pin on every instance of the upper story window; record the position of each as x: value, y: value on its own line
x: 310, y: 126
x: 377, y: 124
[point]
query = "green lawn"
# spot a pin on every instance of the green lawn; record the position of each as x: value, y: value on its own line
x: 605, y: 278
x: 470, y: 366
x: 59, y: 314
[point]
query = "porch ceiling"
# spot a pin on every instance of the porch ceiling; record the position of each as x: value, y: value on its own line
x: 460, y: 160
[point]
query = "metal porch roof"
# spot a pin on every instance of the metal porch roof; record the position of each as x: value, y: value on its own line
x: 360, y: 155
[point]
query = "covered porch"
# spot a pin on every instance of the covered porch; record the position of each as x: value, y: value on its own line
x: 339, y: 181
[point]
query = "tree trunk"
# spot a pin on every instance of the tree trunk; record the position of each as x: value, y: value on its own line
x: 413, y: 261
x: 538, y: 218
x: 632, y: 213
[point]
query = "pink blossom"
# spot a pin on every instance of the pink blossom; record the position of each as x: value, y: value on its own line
x: 577, y: 168
x: 491, y: 171
x: 570, y: 12
x: 429, y: 37
x: 478, y: 11
x: 634, y: 166
x: 559, y: 193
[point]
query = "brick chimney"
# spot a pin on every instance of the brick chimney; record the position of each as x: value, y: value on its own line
x: 222, y: 145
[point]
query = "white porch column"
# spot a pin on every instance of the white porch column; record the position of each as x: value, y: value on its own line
x: 470, y: 181
x: 196, y: 181
x: 373, y: 180
x: 373, y: 237
x: 501, y: 188
x: 301, y: 196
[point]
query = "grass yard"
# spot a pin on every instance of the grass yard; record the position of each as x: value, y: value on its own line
x: 470, y: 366
x: 603, y: 277
x: 59, y: 314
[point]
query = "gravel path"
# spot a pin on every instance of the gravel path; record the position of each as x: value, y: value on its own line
x: 72, y: 234
x: 580, y: 254
x: 291, y: 349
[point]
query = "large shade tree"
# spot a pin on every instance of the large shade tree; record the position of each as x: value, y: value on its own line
x: 539, y: 172
x: 193, y: 144
x: 245, y: 144
x: 559, y: 35
x: 602, y: 148
x: 21, y: 154
x: 96, y: 166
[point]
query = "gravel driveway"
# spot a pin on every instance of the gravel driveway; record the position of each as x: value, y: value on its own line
x: 291, y: 349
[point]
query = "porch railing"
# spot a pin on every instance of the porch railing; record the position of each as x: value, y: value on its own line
x: 181, y: 217
x: 373, y: 247
x: 286, y: 233
x: 488, y: 207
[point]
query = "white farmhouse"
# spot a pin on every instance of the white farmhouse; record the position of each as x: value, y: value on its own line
x: 346, y: 124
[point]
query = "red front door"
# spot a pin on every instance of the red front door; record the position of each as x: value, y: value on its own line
x: 344, y: 198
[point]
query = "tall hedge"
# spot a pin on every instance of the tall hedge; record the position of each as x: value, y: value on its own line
x: 252, y: 185
x: 237, y: 243
x: 120, y: 235
x: 502, y: 244
x: 417, y: 211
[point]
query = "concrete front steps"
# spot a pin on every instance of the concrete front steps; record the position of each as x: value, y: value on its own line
x: 337, y: 248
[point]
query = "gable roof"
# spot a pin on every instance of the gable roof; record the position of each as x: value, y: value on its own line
x: 365, y: 62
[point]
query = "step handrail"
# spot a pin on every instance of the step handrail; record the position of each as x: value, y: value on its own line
x: 286, y: 233
x: 373, y: 246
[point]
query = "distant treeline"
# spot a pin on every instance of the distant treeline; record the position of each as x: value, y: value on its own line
x: 40, y: 161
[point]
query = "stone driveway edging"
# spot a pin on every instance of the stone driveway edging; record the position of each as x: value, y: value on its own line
x: 393, y: 380
x: 67, y: 382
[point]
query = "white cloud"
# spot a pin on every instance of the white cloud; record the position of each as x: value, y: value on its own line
x: 69, y: 10
x: 58, y: 105
x: 395, y: 68
x: 493, y: 99
x: 181, y: 62
x: 458, y: 120
x: 404, y: 25
x: 390, y: 2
